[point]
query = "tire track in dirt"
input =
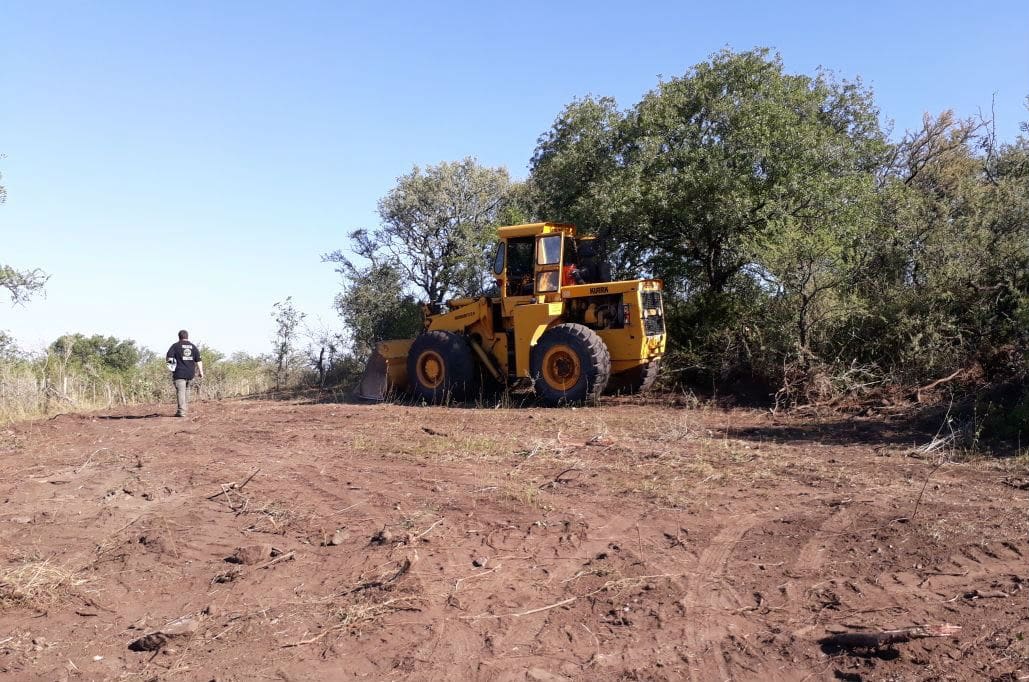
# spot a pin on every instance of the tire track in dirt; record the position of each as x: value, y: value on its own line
x: 812, y: 554
x: 705, y: 595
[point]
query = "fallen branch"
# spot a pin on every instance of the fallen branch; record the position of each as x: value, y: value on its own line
x: 311, y: 640
x: 639, y: 538
x: 934, y: 384
x: 1017, y: 484
x: 933, y: 445
x: 922, y: 492
x: 879, y: 638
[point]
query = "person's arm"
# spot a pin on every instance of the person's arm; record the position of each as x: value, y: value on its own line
x: 200, y: 369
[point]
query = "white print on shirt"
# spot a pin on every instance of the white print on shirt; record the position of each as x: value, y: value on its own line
x: 187, y: 353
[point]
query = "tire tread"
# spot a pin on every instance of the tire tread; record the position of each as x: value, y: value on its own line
x: 460, y: 366
x: 597, y: 374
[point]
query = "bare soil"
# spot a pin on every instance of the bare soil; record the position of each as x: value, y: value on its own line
x: 630, y: 541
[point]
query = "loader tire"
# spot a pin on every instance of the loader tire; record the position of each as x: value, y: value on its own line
x: 440, y: 367
x: 570, y: 364
x: 636, y: 380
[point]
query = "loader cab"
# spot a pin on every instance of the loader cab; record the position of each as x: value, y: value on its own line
x: 513, y: 265
x: 528, y: 262
x: 549, y: 249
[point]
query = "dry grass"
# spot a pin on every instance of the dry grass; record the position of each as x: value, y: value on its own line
x: 32, y: 389
x: 353, y: 616
x: 272, y: 516
x: 36, y: 583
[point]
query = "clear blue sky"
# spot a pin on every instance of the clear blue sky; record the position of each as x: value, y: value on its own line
x: 185, y: 164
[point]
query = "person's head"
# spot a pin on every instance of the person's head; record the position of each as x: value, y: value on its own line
x: 183, y: 335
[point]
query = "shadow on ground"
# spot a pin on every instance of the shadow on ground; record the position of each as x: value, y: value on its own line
x: 911, y: 431
x: 153, y: 415
x: 914, y: 429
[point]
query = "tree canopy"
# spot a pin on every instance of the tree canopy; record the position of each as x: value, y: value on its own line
x: 435, y: 228
x: 21, y: 285
x: 98, y: 354
x: 797, y: 242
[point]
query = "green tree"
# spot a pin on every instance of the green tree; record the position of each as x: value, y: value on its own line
x: 375, y: 306
x: 433, y: 243
x: 939, y: 261
x: 737, y: 152
x: 745, y: 187
x: 517, y: 205
x: 575, y: 170
x: 436, y: 225
x: 284, y: 344
x: 99, y: 355
x: 1005, y: 219
x: 9, y: 351
x: 21, y: 285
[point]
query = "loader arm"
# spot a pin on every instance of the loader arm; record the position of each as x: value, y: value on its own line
x: 465, y: 313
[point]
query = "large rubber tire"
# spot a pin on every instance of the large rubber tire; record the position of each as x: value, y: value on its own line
x: 636, y: 380
x: 570, y: 364
x: 440, y: 367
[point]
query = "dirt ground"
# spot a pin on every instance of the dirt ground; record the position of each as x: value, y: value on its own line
x: 629, y: 541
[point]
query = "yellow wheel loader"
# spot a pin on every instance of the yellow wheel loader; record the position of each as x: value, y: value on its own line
x: 555, y: 321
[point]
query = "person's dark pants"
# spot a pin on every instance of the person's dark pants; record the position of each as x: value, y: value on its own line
x: 181, y: 396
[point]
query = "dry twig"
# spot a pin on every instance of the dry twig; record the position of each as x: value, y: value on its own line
x: 226, y: 487
x: 271, y: 562
x: 611, y: 584
x: 557, y: 479
x: 426, y: 531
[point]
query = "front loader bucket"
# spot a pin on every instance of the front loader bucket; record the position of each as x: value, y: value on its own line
x: 386, y: 371
x: 373, y: 384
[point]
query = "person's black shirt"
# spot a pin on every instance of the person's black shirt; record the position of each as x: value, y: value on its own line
x: 186, y: 358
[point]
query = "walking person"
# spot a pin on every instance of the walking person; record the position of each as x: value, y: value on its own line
x: 184, y: 360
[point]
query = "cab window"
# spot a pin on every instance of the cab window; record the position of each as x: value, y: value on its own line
x: 498, y: 262
x: 519, y: 265
x: 549, y: 252
x: 547, y: 281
